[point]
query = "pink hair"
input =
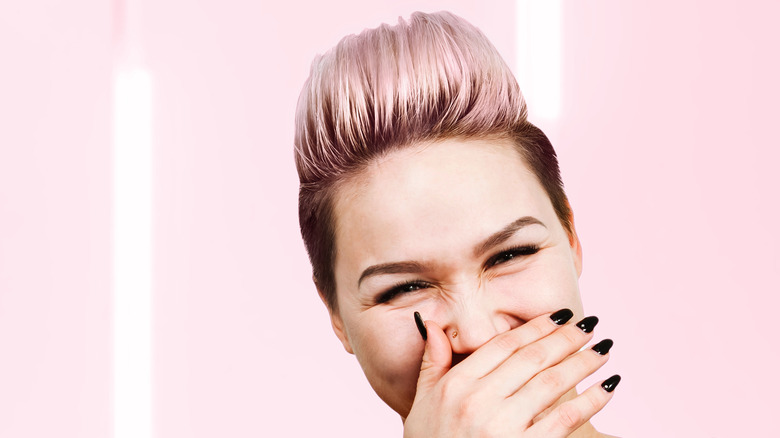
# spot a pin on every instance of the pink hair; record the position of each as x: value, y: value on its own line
x: 433, y: 77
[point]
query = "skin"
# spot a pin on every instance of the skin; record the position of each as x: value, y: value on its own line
x: 435, y: 206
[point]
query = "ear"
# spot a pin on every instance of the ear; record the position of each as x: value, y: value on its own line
x: 576, y: 247
x: 336, y: 322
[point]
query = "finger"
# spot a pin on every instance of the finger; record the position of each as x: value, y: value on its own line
x: 436, y: 360
x: 519, y: 368
x: 549, y: 385
x: 572, y: 414
x: 488, y: 357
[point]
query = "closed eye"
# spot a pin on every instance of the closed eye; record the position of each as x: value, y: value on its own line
x: 502, y: 257
x: 511, y: 254
x: 401, y: 288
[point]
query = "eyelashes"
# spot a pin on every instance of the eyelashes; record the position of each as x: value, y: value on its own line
x: 401, y: 288
x: 500, y: 258
x: 509, y: 254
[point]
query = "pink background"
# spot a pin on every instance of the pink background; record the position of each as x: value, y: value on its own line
x: 668, y: 143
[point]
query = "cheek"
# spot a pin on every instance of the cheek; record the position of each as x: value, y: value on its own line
x: 535, y: 290
x: 389, y: 349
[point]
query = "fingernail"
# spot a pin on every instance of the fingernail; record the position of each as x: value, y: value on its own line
x: 588, y: 323
x: 610, y: 384
x: 562, y: 316
x: 421, y: 326
x: 603, y: 347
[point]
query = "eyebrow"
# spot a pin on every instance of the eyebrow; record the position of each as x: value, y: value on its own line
x: 409, y: 267
x: 503, y: 235
x: 413, y: 267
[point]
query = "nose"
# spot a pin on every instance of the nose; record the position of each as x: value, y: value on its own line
x: 474, y: 322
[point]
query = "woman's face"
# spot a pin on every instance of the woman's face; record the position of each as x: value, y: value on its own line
x: 459, y: 230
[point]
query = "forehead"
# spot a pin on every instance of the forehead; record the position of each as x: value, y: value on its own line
x: 433, y: 198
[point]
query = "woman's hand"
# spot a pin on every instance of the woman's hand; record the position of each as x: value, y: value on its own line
x: 501, y: 388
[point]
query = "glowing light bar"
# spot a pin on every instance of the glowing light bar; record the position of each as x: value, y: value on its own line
x: 538, y: 58
x: 132, y: 252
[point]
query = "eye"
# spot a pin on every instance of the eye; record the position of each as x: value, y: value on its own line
x: 402, y: 288
x: 511, y: 254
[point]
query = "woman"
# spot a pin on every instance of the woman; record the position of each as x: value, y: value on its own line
x: 440, y: 237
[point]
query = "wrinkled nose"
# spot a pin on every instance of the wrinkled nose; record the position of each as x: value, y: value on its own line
x: 472, y: 324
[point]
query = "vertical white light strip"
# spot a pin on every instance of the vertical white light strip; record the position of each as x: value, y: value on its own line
x: 132, y: 250
x: 539, y: 51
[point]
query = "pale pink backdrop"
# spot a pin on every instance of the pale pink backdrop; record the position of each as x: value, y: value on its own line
x: 668, y: 142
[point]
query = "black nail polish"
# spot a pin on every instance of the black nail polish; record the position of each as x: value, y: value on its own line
x: 603, y: 347
x: 421, y: 326
x: 587, y: 324
x: 562, y: 316
x: 610, y: 384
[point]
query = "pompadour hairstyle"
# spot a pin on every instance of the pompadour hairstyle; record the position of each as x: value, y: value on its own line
x: 431, y: 78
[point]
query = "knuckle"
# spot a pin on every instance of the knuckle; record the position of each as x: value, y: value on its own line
x: 571, y: 337
x: 506, y: 343
x: 586, y: 362
x: 534, y: 354
x: 426, y: 366
x: 569, y: 416
x: 580, y: 361
x: 467, y: 408
x: 592, y: 401
x: 449, y: 389
x: 551, y: 378
x: 535, y: 331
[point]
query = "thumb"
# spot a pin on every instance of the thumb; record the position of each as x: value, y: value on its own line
x: 437, y: 358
